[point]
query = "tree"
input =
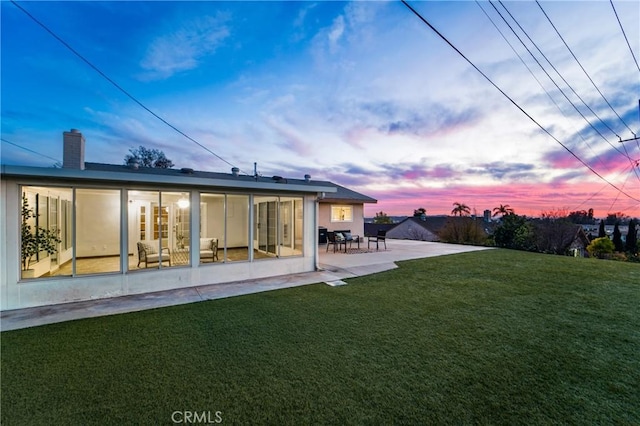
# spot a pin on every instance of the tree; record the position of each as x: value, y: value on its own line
x: 35, y: 239
x: 146, y: 157
x: 631, y: 245
x: 460, y: 209
x: 515, y: 232
x: 583, y: 217
x: 618, y: 217
x: 554, y: 233
x: 601, y: 231
x: 382, y: 217
x: 463, y: 230
x: 600, y: 247
x: 502, y: 210
x: 617, y: 238
x: 419, y: 212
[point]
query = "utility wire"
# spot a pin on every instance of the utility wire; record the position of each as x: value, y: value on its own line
x: 625, y: 153
x: 625, y: 35
x: 427, y: 23
x: 560, y: 75
x: 120, y: 88
x: 534, y: 76
x: 584, y: 70
x: 30, y: 150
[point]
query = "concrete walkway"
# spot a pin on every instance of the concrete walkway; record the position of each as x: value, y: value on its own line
x: 333, y: 268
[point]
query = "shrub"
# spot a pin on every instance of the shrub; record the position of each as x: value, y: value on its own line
x: 600, y: 247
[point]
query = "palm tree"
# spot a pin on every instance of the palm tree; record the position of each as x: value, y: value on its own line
x: 460, y: 209
x: 503, y: 210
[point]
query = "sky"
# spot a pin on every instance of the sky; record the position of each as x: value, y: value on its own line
x: 514, y: 103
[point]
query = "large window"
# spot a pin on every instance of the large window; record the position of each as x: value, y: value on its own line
x: 97, y: 231
x: 278, y: 226
x: 69, y: 231
x: 224, y: 227
x: 49, y: 246
x: 159, y: 229
x: 342, y: 213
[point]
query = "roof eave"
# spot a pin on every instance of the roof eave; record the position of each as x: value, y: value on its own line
x: 27, y: 172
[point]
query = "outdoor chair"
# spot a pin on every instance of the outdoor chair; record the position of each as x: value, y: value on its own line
x: 336, y: 241
x: 381, y: 237
x: 349, y: 238
x: 148, y: 253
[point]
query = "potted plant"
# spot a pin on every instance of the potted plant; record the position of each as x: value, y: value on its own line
x: 35, y: 238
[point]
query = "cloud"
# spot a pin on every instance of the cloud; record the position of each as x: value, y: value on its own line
x: 182, y: 49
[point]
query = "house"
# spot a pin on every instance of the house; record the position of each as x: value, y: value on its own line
x: 428, y: 228
x: 122, y: 229
x: 342, y: 210
x: 577, y: 247
x: 422, y: 228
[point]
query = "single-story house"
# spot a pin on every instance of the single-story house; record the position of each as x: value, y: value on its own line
x: 343, y: 210
x: 89, y: 230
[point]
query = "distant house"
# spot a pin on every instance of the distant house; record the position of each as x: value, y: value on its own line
x: 423, y: 228
x: 427, y: 228
x: 578, y: 245
x: 123, y: 229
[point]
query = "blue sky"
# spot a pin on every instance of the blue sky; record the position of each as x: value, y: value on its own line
x: 359, y: 93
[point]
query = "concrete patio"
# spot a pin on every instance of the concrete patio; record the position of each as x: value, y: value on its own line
x: 333, y: 267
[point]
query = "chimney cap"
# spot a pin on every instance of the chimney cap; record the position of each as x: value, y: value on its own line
x: 74, y: 131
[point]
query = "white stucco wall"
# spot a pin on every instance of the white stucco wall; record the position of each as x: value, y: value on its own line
x: 356, y: 226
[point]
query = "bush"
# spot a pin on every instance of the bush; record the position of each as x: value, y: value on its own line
x: 463, y: 230
x: 601, y: 247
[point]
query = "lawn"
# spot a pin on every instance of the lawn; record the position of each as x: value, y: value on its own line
x: 492, y: 337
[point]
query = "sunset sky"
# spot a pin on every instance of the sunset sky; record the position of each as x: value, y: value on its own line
x: 363, y: 94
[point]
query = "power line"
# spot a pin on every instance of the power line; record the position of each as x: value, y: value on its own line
x: 625, y: 153
x: 117, y: 86
x: 557, y: 72
x: 584, y: 70
x: 531, y: 72
x: 625, y: 35
x: 512, y: 101
x: 30, y: 150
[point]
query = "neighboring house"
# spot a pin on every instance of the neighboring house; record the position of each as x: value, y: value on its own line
x: 424, y: 228
x: 343, y: 210
x: 372, y: 229
x: 578, y: 245
x: 427, y: 228
x: 127, y: 230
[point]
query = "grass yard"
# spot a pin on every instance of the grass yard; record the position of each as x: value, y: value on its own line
x: 492, y: 337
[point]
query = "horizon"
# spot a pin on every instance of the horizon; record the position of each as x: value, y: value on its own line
x: 362, y: 94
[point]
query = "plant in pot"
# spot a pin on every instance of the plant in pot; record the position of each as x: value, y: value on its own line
x: 35, y: 239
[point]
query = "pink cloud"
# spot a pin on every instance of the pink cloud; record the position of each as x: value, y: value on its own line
x: 526, y: 199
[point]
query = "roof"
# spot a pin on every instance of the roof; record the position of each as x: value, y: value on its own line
x: 111, y: 173
x: 346, y: 195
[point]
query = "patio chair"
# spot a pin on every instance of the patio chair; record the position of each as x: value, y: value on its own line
x: 381, y: 237
x: 148, y: 253
x: 336, y: 241
x: 349, y: 237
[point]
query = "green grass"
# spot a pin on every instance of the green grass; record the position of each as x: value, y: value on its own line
x: 495, y: 337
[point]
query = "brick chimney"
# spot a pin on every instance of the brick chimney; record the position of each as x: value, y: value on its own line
x: 73, y: 151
